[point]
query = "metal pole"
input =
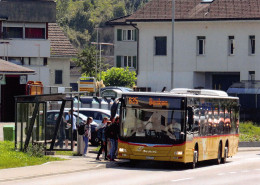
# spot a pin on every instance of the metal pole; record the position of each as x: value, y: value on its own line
x: 172, y: 62
x: 96, y: 53
x: 99, y: 68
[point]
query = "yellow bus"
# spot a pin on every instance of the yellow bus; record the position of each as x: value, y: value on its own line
x: 183, y: 125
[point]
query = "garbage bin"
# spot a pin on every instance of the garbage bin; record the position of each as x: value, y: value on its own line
x: 8, y: 131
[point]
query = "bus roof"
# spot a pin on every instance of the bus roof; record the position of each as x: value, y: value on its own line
x: 183, y: 92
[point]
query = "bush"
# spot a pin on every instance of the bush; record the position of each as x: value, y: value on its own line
x: 35, y: 150
x: 249, y: 132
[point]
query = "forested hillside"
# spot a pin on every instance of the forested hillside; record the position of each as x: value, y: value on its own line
x: 79, y: 18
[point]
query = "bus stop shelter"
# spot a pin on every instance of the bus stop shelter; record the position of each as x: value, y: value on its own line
x: 31, y: 124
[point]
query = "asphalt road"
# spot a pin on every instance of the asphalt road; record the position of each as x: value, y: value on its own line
x: 244, y: 168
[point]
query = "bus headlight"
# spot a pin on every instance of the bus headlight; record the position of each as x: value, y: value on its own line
x: 178, y: 153
x: 122, y: 150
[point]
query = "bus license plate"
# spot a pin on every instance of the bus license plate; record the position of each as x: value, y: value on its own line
x: 149, y: 157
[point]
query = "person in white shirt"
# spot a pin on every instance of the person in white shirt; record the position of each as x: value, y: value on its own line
x: 74, y: 129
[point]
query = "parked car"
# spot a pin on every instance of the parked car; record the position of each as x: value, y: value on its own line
x: 96, y: 114
x: 51, y: 121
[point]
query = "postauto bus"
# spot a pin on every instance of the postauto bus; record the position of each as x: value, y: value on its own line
x: 183, y: 125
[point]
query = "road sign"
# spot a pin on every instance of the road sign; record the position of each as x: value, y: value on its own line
x: 87, y: 84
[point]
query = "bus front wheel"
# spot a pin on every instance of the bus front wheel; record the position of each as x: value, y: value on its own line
x: 195, y: 159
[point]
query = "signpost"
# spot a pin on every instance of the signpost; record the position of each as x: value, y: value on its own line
x: 87, y: 84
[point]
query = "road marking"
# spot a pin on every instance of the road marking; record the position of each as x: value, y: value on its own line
x: 181, y: 179
x: 221, y: 174
x: 232, y: 172
x: 245, y: 171
x: 98, y: 165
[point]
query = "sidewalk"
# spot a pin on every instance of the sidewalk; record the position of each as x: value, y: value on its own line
x: 73, y: 164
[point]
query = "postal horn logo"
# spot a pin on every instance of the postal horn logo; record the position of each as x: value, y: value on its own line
x: 140, y: 148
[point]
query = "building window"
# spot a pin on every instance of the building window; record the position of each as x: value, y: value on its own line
x: 251, y: 44
x: 129, y: 35
x: 160, y: 45
x: 128, y: 61
x: 201, y: 40
x: 231, y: 45
x: 251, y: 75
x: 13, y: 32
x: 45, y: 61
x: 35, y: 33
x: 58, y: 76
x: 126, y: 35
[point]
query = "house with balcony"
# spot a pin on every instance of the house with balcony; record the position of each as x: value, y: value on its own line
x: 24, y: 42
x: 24, y: 34
x: 125, y: 43
x: 215, y: 43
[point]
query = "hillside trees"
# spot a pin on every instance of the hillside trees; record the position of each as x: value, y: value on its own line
x: 79, y: 18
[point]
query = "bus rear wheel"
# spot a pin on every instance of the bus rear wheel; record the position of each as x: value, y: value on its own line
x: 224, y: 159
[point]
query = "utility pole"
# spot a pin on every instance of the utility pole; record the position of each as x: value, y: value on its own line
x: 172, y: 62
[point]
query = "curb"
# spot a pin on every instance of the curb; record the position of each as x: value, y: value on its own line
x: 249, y: 144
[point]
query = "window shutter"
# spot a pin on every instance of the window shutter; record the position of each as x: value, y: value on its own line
x: 134, y: 62
x: 125, y: 61
x: 135, y: 35
x: 118, y: 61
x: 119, y: 34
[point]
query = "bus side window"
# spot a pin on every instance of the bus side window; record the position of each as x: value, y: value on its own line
x: 190, y: 118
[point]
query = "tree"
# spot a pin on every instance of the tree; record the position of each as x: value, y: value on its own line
x: 119, y: 77
x: 89, y: 63
x: 86, y: 59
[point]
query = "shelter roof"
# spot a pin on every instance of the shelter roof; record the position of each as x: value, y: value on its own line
x: 11, y: 68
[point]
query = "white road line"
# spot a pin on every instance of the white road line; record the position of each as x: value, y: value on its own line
x: 245, y: 171
x: 232, y: 172
x: 221, y: 174
x: 181, y: 179
x: 98, y: 165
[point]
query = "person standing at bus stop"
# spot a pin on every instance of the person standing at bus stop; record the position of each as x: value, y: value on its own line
x: 74, y: 129
x: 113, y: 135
x: 102, y: 137
x: 87, y: 134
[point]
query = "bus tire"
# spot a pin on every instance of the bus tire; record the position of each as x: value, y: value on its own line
x: 224, y: 159
x: 219, y: 158
x: 195, y: 159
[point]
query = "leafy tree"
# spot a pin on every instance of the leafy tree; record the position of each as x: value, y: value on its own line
x: 119, y: 77
x: 119, y: 10
x: 88, y: 60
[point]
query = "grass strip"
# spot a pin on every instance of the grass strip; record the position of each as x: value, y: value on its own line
x: 9, y: 158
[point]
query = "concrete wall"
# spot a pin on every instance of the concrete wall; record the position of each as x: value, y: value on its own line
x: 28, y: 11
x: 25, y: 48
x: 189, y: 69
x: 63, y: 64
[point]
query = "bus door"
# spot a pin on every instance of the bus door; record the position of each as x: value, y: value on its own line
x: 189, y: 124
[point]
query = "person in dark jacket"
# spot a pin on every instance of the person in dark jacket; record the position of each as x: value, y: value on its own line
x: 113, y: 135
x: 102, y: 136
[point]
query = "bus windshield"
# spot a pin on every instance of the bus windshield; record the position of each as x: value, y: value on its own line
x: 154, y: 126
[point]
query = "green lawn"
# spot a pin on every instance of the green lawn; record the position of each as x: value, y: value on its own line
x: 249, y: 132
x: 9, y: 158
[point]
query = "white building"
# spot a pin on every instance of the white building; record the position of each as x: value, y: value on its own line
x: 215, y: 43
x: 125, y: 43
